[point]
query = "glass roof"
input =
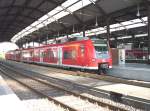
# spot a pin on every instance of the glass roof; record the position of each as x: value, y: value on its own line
x: 64, y: 9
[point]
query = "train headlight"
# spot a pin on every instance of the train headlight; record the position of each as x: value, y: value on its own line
x: 93, y: 59
x: 103, y: 60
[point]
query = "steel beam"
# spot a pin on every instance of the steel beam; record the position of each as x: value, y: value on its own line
x: 108, y: 29
x: 148, y: 12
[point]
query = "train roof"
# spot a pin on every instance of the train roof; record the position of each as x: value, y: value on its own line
x: 68, y: 41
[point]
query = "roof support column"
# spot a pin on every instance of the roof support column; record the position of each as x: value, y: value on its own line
x: 84, y: 31
x: 133, y: 41
x: 25, y: 46
x: 39, y: 41
x: 148, y: 12
x: 108, y: 29
x: 47, y: 39
x: 33, y: 42
x: 20, y: 43
x: 115, y: 42
x: 67, y: 36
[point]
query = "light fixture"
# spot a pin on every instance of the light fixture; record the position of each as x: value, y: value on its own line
x: 138, y: 11
x: 96, y: 22
x: 73, y: 30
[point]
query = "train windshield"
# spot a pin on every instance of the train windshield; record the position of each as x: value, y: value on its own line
x: 101, y: 49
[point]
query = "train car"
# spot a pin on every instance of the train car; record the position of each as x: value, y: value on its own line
x: 10, y: 55
x: 82, y: 53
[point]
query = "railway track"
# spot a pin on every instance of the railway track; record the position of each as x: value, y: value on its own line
x: 69, y: 100
x: 88, y: 74
x: 123, y: 99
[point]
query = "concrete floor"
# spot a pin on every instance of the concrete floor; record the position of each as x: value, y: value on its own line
x: 8, y: 100
x: 132, y: 71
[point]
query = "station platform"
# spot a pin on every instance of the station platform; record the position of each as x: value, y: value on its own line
x: 132, y: 71
x: 8, y: 100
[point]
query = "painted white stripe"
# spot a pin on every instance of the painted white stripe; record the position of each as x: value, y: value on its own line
x: 66, y: 65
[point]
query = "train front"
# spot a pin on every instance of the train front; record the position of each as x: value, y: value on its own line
x: 102, y: 59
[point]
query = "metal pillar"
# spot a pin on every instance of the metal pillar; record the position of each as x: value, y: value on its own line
x: 39, y: 41
x: 148, y: 11
x: 115, y: 44
x: 67, y: 37
x: 33, y: 43
x: 56, y: 40
x: 47, y: 39
x: 133, y: 41
x: 108, y: 30
x: 25, y: 45
x: 83, y: 31
x: 21, y: 45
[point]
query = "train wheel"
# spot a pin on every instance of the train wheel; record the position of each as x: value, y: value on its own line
x: 82, y: 70
x: 99, y: 71
x: 102, y: 71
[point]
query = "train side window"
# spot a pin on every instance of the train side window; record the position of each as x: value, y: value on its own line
x: 70, y: 54
x: 36, y: 54
x: 44, y: 54
x: 31, y: 54
x: 41, y: 54
x: 67, y: 55
x: 50, y: 54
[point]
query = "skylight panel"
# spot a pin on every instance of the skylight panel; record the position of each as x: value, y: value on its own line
x: 116, y: 29
x: 27, y: 28
x: 56, y: 10
x: 101, y: 32
x: 141, y: 35
x: 69, y: 2
x: 126, y: 23
x: 135, y: 20
x: 46, y: 22
x: 39, y: 26
x: 79, y: 5
x: 124, y: 37
x: 60, y: 15
x: 131, y: 22
x: 135, y: 25
x: 43, y: 18
x: 115, y: 25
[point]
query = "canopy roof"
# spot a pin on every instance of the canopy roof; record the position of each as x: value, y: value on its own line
x: 67, y: 17
x: 16, y: 15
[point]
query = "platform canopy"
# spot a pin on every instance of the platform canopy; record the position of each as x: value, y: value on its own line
x: 23, y: 20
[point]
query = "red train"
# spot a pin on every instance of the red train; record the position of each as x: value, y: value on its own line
x: 82, y: 53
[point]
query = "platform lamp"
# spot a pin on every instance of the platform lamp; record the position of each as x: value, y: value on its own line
x: 138, y: 11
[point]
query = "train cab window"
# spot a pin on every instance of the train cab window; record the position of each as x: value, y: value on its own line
x: 101, y: 47
x: 101, y: 50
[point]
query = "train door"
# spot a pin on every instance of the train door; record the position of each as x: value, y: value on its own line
x: 82, y: 55
x: 60, y: 55
x: 41, y: 55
